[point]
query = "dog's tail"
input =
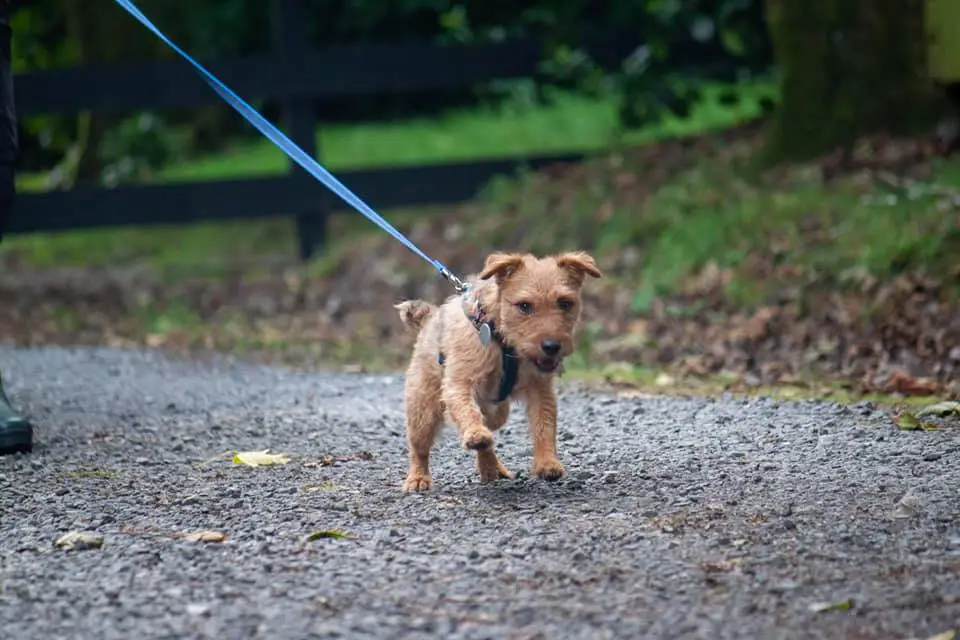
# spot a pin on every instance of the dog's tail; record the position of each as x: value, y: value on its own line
x: 414, y: 313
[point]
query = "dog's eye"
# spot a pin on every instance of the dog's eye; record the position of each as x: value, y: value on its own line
x: 524, y: 307
x: 565, y: 304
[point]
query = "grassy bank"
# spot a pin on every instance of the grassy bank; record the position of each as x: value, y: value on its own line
x: 571, y: 123
x: 717, y: 272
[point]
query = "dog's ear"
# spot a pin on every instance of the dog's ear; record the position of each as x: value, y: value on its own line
x: 579, y: 263
x: 501, y: 265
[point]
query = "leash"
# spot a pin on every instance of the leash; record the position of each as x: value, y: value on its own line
x: 295, y: 153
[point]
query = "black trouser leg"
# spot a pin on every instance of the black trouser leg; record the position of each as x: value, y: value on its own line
x: 16, y: 433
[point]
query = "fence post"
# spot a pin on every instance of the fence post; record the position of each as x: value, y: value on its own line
x: 291, y: 45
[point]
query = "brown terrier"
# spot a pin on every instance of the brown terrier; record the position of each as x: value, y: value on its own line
x: 501, y: 341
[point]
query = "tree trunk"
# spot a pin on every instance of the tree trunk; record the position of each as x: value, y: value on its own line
x: 848, y: 68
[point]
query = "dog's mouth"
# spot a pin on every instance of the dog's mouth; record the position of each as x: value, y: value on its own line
x: 546, y: 364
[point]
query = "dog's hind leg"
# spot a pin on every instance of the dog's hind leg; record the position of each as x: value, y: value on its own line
x: 424, y: 413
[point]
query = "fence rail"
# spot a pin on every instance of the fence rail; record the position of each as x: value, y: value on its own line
x: 296, y: 76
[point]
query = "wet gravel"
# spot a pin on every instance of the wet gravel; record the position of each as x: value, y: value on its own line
x: 680, y: 518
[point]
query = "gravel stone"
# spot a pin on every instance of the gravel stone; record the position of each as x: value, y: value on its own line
x: 680, y: 517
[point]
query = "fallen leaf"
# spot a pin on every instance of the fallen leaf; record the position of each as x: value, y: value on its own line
x: 909, y: 422
x: 326, y: 461
x: 720, y: 566
x: 326, y: 534
x: 326, y: 486
x: 664, y: 380
x: 76, y: 541
x: 842, y: 605
x: 940, y: 410
x: 205, y: 536
x: 907, y: 507
x: 155, y: 340
x: 260, y: 458
x: 902, y: 382
x: 949, y: 634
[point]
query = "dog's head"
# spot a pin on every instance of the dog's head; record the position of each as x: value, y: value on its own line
x: 537, y: 305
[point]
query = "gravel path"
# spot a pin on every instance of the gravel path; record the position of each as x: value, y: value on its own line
x: 681, y: 518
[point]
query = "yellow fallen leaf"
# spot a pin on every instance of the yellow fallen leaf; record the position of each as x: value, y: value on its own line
x: 260, y: 458
x: 909, y: 422
x: 326, y: 533
x: 76, y: 541
x: 205, y: 536
x: 940, y: 410
x: 949, y: 634
x: 842, y: 605
x: 664, y: 380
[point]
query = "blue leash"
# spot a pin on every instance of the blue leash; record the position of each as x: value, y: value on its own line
x: 287, y: 145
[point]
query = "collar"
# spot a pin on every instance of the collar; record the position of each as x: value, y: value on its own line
x: 487, y: 332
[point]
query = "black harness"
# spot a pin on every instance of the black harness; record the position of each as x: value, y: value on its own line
x: 509, y: 363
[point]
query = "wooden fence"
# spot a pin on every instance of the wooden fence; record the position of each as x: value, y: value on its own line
x: 296, y: 76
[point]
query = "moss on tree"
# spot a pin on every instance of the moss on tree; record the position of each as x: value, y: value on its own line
x: 848, y: 68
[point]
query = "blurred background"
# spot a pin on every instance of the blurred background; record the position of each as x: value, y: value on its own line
x: 769, y: 185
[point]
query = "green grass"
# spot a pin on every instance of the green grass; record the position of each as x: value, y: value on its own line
x: 571, y: 123
x: 634, y: 379
x: 715, y: 207
x: 723, y: 211
x: 713, y: 213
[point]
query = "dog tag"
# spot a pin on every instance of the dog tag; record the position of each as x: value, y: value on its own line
x: 485, y: 334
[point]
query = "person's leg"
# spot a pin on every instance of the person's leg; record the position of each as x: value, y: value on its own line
x: 16, y: 433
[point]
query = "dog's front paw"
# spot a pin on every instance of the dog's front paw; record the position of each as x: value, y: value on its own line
x: 548, y: 470
x: 494, y: 472
x: 478, y: 439
x: 417, y: 482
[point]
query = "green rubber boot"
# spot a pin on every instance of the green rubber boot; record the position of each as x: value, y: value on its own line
x: 16, y: 433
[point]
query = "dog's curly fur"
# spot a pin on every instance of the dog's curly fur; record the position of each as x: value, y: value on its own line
x: 535, y: 306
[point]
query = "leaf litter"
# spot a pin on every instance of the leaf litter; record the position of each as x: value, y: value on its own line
x: 896, y: 334
x: 941, y: 410
x: 328, y: 460
x: 204, y: 536
x: 840, y: 605
x: 909, y: 422
x: 327, y: 534
x: 79, y: 541
x: 260, y: 458
x: 950, y: 634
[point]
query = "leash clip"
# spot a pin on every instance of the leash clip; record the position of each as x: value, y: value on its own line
x: 457, y: 283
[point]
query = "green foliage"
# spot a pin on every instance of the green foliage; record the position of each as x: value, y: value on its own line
x: 38, y: 43
x: 642, y: 75
x: 719, y: 214
x: 137, y: 147
x: 515, y: 128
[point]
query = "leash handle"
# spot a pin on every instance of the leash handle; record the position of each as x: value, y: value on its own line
x: 289, y: 147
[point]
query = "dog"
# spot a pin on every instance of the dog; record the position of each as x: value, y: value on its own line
x: 503, y: 340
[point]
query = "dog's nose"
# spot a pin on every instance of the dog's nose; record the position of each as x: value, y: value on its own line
x: 550, y: 347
